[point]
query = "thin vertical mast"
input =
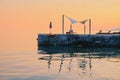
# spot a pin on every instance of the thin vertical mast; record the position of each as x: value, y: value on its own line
x: 62, y: 24
x: 89, y: 26
x: 84, y: 29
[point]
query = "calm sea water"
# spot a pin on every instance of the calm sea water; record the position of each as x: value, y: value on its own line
x: 62, y: 63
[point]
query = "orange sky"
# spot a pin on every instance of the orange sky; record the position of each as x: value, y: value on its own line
x: 22, y: 20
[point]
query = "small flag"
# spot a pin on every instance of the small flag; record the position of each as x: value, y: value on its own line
x: 50, y: 26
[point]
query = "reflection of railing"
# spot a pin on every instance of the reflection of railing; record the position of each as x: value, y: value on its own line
x: 49, y: 61
x: 84, y: 56
x: 62, y: 59
x: 67, y: 57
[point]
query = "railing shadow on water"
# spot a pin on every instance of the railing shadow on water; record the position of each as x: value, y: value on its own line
x: 70, y: 52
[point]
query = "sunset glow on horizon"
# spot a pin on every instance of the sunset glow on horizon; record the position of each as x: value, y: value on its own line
x: 21, y: 19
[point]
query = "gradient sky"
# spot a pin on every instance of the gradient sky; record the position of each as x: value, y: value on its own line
x: 22, y: 20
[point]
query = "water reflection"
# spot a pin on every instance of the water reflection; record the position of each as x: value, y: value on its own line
x: 80, y: 57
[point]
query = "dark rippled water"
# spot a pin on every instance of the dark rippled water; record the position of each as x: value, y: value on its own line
x: 62, y: 63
